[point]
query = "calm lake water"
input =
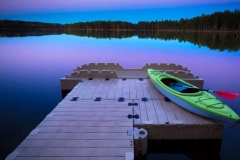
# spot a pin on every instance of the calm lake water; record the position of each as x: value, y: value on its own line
x: 31, y: 68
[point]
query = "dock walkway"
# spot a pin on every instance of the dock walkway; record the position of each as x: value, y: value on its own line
x: 111, y: 119
x: 92, y: 122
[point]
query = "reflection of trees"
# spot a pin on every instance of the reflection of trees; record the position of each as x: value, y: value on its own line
x: 211, y: 31
x: 214, y: 41
x: 24, y: 33
x: 101, y: 33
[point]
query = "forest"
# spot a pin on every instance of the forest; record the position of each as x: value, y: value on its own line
x: 218, y: 31
x: 218, y: 21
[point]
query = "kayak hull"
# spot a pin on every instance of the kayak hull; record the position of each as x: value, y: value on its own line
x: 201, y: 102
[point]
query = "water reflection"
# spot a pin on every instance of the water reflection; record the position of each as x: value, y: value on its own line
x: 31, y: 68
x: 226, y: 41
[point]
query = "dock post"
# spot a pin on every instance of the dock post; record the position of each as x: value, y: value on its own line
x: 140, y: 141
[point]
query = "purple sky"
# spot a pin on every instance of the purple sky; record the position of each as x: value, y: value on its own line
x: 59, y: 11
x: 28, y: 6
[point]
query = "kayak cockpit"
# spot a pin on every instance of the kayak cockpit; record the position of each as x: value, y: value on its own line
x: 178, y: 86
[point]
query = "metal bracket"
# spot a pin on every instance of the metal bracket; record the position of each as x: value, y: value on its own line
x: 132, y: 104
x: 144, y: 99
x: 136, y: 116
x: 121, y: 99
x: 74, y: 98
x: 98, y: 99
x: 130, y: 132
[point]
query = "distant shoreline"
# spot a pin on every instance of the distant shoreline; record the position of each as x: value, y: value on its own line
x: 125, y: 30
x: 218, y: 22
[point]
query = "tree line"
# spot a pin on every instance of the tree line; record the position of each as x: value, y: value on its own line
x: 218, y: 21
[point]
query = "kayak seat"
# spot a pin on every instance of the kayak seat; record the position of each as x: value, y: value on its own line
x: 170, y: 83
x: 189, y: 90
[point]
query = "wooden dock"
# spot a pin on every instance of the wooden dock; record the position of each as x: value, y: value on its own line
x: 111, y: 118
x: 80, y: 128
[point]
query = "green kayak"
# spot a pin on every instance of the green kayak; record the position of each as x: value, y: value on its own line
x: 191, y: 98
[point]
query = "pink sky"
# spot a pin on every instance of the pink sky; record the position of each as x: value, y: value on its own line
x: 28, y: 6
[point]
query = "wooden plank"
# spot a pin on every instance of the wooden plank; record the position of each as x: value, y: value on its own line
x: 146, y: 91
x: 86, y: 86
x: 87, y: 118
x: 154, y: 92
x: 139, y: 88
x: 99, y: 88
x: 78, y: 88
x: 151, y: 112
x: 94, y: 104
x: 203, y: 120
x: 83, y: 129
x: 143, y: 112
x: 72, y: 136
x: 190, y: 117
x: 106, y: 89
x: 169, y: 112
x: 179, y: 114
x: 72, y: 152
x: 126, y: 89
x: 71, y: 158
x: 85, y: 123
x: 101, y: 85
x: 92, y: 88
x: 112, y: 90
x: 161, y: 114
x: 119, y: 89
x: 96, y: 109
x: 133, y: 89
x: 75, y: 143
x: 99, y: 114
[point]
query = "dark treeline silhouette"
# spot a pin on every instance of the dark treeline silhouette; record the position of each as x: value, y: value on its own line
x: 102, y: 25
x: 218, y: 21
x: 23, y: 25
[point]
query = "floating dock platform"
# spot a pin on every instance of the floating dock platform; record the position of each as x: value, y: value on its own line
x: 112, y: 113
